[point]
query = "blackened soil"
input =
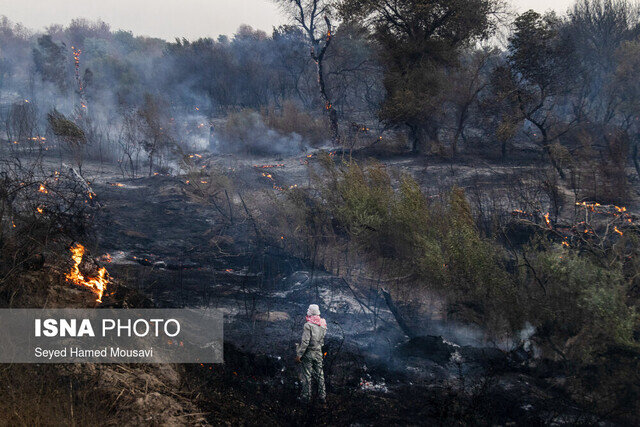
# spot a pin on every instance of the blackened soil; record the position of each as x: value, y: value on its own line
x: 166, y: 244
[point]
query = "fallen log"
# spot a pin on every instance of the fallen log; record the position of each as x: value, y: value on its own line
x: 83, y: 182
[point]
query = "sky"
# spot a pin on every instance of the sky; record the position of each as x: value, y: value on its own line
x: 169, y: 19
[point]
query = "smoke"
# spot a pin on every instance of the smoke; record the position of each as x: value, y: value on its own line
x: 525, y: 336
x: 198, y: 83
x: 247, y: 133
x: 459, y: 334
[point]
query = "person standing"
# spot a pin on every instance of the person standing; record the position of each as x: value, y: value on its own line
x: 309, y: 353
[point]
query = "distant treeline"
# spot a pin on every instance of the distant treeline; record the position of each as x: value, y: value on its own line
x: 435, y: 73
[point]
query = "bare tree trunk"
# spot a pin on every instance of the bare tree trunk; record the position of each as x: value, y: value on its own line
x: 409, y: 331
x: 546, y: 146
x: 317, y: 54
x: 329, y: 110
x: 414, y: 138
x: 634, y: 155
x: 307, y: 14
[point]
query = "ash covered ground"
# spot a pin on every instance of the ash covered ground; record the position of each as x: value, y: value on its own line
x: 154, y: 235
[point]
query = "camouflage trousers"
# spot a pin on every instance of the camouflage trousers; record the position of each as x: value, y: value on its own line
x: 312, y: 370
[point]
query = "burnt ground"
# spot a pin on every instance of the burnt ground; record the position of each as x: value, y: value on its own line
x: 166, y: 243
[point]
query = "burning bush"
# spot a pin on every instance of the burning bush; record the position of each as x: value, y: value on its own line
x: 97, y: 284
x: 37, y: 209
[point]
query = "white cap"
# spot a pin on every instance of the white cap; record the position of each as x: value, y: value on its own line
x: 313, y: 310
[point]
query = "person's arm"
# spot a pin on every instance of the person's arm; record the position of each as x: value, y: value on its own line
x: 306, y: 337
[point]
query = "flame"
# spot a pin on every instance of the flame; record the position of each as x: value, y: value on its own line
x: 618, y: 231
x: 591, y: 206
x: 273, y: 182
x: 546, y: 219
x: 40, y: 209
x: 43, y: 189
x: 97, y: 284
x: 280, y: 165
x: 76, y: 60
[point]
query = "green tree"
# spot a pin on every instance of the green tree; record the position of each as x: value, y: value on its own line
x: 50, y: 62
x: 627, y: 90
x: 419, y: 39
x: 155, y: 122
x: 537, y: 79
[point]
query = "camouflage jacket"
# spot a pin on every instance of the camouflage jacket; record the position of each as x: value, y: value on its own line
x: 312, y: 339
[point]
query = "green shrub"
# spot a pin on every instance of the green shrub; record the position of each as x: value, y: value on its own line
x: 579, y: 304
x: 435, y: 246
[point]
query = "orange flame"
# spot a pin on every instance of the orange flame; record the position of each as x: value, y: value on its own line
x: 280, y: 165
x: 97, y: 284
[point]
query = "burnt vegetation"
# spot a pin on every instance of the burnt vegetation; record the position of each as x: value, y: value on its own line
x: 455, y: 184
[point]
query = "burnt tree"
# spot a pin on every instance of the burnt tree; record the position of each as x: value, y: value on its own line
x: 314, y: 18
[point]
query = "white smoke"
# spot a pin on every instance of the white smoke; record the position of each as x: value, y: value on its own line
x: 247, y: 133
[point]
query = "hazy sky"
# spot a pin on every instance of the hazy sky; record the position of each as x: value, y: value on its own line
x: 172, y: 18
